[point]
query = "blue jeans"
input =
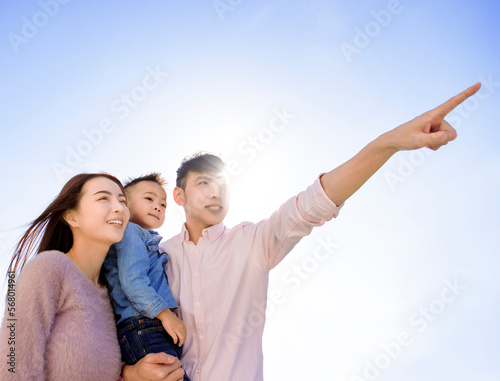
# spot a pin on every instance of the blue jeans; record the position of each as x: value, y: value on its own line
x: 140, y: 336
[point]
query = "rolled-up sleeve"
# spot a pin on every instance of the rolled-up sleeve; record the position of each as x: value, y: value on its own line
x: 315, y: 206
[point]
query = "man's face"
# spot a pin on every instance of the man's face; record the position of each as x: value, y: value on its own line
x: 205, y: 199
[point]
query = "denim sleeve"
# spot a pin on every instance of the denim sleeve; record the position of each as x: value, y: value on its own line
x: 133, y: 265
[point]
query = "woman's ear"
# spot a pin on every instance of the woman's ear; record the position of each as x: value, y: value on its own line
x: 179, y: 196
x: 69, y: 217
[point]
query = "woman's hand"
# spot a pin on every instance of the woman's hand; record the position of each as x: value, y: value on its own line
x: 154, y: 367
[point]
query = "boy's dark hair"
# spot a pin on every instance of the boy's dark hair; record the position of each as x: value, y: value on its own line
x: 153, y: 176
x: 200, y: 162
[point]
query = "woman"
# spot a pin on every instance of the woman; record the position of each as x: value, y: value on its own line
x: 58, y: 321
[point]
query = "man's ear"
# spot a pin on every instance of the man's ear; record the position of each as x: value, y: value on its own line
x: 179, y: 196
x: 69, y: 217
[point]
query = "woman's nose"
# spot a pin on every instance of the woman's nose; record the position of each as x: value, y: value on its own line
x: 119, y: 206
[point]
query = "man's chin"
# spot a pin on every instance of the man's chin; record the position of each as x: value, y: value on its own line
x: 216, y: 220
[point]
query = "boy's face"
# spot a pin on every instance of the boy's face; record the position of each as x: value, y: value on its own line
x: 147, y: 202
x: 205, y: 199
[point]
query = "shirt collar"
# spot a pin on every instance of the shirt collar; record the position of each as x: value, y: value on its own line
x: 184, y: 233
x: 214, y: 232
x: 211, y: 233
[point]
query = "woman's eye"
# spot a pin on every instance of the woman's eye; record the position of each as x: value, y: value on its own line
x: 102, y: 198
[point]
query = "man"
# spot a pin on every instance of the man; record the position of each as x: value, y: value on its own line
x: 219, y: 276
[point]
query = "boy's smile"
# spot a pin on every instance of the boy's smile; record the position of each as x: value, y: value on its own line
x: 147, y: 202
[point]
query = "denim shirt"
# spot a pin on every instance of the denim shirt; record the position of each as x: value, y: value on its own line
x: 134, y: 270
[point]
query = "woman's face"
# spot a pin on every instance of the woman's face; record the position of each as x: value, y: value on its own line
x: 102, y: 214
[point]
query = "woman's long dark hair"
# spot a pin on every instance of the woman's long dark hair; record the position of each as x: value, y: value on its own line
x: 50, y: 231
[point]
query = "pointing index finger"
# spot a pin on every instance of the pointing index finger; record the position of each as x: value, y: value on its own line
x: 451, y: 103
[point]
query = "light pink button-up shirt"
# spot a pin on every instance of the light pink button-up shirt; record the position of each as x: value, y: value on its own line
x: 221, y: 285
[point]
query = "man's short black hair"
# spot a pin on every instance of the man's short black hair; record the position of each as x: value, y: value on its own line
x: 200, y: 162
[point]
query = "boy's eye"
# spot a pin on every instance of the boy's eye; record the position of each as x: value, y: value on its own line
x: 149, y: 199
x: 163, y: 206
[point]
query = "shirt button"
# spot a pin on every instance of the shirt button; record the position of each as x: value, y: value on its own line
x: 197, y: 304
x: 198, y: 371
x: 196, y: 274
x: 202, y: 337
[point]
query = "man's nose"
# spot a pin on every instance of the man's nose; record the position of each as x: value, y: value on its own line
x: 215, y: 191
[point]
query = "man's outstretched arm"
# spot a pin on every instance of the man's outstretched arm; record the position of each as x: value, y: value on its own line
x: 428, y: 130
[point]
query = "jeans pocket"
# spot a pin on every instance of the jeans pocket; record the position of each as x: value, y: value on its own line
x: 156, y: 339
x: 127, y: 354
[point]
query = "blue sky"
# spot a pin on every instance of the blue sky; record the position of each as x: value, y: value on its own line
x: 131, y: 87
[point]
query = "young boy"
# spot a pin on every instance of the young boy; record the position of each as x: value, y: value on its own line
x: 134, y: 271
x: 220, y: 275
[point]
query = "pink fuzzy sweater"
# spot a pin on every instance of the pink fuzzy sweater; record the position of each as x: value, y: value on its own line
x: 64, y: 327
